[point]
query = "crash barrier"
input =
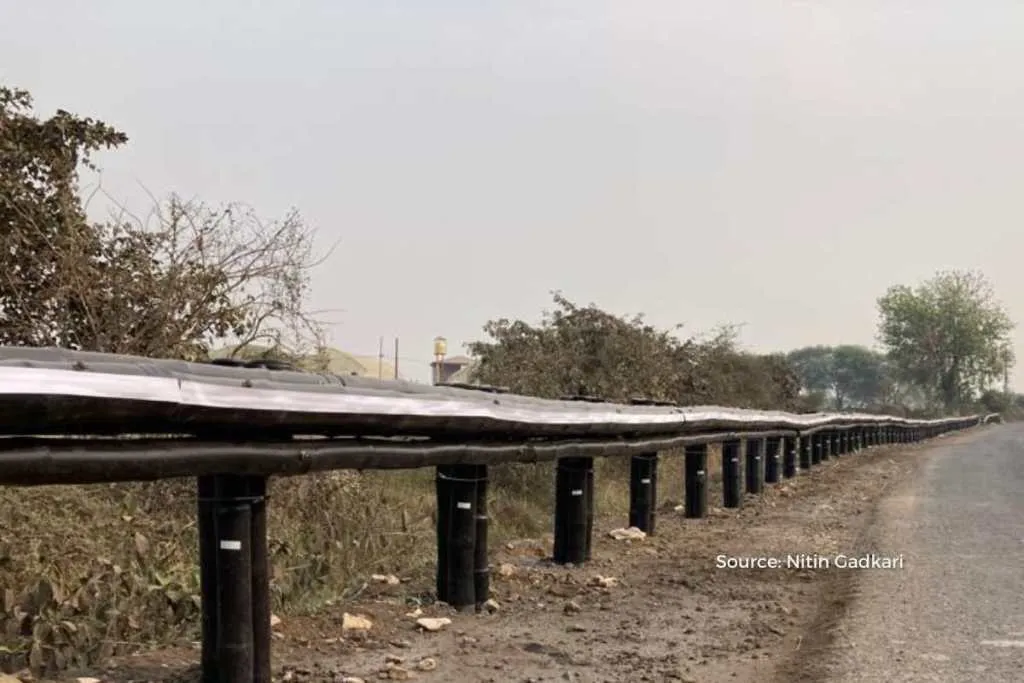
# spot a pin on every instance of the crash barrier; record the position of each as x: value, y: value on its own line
x: 78, y: 418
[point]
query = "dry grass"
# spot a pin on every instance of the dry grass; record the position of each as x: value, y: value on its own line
x: 91, y: 571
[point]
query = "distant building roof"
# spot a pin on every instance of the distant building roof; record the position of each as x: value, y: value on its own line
x: 453, y: 360
x: 464, y: 374
x: 338, y: 362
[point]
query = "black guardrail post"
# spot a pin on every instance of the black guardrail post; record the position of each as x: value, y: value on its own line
x: 232, y: 509
x: 732, y: 473
x: 443, y: 494
x: 589, y: 502
x: 481, y: 564
x: 844, y: 442
x: 696, y: 480
x: 818, y: 440
x: 261, y: 632
x: 571, y: 510
x: 772, y: 459
x: 807, y: 448
x: 790, y: 452
x: 207, y: 531
x: 826, y: 445
x: 643, y: 487
x: 755, y: 465
x: 234, y: 578
x: 456, y: 535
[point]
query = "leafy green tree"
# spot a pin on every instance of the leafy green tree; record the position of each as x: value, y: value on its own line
x: 948, y: 336
x: 814, y: 364
x: 994, y: 401
x: 859, y: 376
x: 853, y: 376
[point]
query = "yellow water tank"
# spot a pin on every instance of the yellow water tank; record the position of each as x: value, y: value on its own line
x: 440, y: 346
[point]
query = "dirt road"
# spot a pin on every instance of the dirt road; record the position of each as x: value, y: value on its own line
x: 656, y: 609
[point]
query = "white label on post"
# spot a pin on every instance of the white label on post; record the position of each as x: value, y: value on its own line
x: 464, y: 506
x: 645, y: 481
x: 700, y: 473
x: 577, y: 492
x: 230, y: 545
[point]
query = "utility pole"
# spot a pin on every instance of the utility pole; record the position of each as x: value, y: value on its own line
x: 396, y: 357
x: 1006, y: 373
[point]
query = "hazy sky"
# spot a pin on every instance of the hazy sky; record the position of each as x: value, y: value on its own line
x: 776, y: 164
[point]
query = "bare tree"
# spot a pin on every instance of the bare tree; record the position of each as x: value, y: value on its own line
x: 174, y: 284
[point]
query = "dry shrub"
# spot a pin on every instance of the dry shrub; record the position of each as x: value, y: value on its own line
x: 87, y: 571
x: 585, y: 350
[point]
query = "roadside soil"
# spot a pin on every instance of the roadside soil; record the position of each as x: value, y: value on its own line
x: 654, y: 609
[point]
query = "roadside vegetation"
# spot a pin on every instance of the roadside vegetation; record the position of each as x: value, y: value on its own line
x: 88, y: 572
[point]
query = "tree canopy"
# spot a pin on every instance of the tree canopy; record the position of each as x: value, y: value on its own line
x: 848, y: 376
x: 170, y: 285
x: 948, y: 336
